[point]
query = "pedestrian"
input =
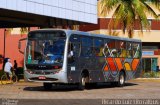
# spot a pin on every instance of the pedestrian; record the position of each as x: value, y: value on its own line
x: 15, y: 67
x: 7, y: 68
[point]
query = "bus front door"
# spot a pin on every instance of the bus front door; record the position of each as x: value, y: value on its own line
x: 73, y: 62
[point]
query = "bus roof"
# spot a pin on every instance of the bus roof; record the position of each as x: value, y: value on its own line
x: 69, y: 32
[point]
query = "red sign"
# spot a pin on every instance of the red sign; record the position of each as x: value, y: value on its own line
x: 42, y: 77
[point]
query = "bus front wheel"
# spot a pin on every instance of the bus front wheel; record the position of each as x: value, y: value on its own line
x: 82, y: 82
x: 47, y: 86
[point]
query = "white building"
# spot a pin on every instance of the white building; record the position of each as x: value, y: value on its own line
x: 76, y: 10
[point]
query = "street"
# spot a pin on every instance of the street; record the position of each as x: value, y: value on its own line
x: 134, y: 89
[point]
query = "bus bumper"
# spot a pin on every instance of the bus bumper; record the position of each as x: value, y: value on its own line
x: 60, y: 77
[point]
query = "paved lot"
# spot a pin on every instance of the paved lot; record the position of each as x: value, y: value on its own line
x: 135, y: 89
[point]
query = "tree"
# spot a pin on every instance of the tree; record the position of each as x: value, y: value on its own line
x: 127, y: 13
x: 23, y: 30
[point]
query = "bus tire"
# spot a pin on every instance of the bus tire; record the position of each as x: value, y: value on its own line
x: 47, y: 86
x: 82, y: 83
x: 91, y: 85
x: 121, y: 79
x: 114, y: 84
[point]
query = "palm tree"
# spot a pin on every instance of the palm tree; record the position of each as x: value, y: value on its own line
x: 127, y: 13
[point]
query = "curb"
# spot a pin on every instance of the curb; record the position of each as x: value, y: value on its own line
x: 147, y: 79
x: 20, y: 81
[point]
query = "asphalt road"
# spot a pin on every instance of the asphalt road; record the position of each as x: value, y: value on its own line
x: 33, y: 93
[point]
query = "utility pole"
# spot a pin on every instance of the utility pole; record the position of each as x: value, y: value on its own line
x: 4, y: 47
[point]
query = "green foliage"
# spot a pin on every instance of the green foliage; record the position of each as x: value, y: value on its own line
x: 128, y: 13
x: 1, y: 73
x: 151, y: 75
x: 24, y: 30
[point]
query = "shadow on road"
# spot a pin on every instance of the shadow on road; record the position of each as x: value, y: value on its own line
x: 67, y: 88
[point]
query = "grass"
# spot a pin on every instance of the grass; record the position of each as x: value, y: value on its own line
x: 147, y: 80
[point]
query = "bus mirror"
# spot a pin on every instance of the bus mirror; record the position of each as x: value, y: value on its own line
x: 19, y: 45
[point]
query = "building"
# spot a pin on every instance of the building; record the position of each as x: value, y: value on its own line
x: 47, y: 12
x: 150, y: 39
x: 39, y: 13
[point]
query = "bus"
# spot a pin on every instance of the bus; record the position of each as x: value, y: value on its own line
x: 57, y: 56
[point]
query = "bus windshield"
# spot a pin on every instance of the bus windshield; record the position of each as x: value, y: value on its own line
x: 45, y: 47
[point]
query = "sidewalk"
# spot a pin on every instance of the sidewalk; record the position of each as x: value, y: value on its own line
x: 21, y: 80
x: 137, y: 79
x: 148, y: 79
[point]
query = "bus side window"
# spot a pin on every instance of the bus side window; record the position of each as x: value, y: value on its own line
x: 118, y: 47
x: 106, y: 50
x: 71, y: 58
x: 86, y: 46
x: 70, y: 51
x: 123, y: 50
x: 111, y: 48
x: 136, y: 50
x: 98, y: 47
x: 129, y: 49
x: 73, y: 48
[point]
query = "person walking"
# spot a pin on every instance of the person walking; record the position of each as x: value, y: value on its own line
x: 16, y: 68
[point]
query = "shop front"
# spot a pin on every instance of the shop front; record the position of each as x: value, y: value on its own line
x: 150, y: 60
x: 150, y: 64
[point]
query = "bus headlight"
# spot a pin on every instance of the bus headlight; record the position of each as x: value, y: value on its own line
x: 29, y: 71
x: 55, y: 72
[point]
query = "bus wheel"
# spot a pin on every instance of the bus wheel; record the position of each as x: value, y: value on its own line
x: 47, y: 86
x: 121, y: 80
x: 82, y: 82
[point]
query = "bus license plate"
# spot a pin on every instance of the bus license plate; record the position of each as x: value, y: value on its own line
x: 41, y: 77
